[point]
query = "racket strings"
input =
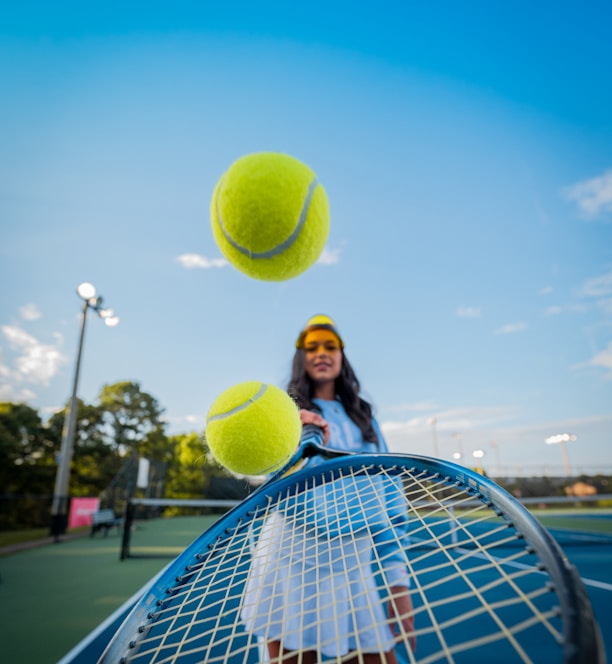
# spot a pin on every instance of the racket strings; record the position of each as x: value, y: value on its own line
x: 363, y: 505
x: 340, y: 574
x: 484, y: 545
x: 474, y: 591
x: 297, y: 565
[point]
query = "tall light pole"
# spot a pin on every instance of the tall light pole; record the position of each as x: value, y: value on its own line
x: 495, y: 446
x: 433, y: 421
x: 459, y: 453
x: 59, y: 507
x: 562, y: 439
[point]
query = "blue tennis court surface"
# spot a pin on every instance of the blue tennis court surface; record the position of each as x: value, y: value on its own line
x: 590, y: 553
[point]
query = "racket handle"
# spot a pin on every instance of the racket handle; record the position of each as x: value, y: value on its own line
x: 311, y: 433
x: 313, y: 444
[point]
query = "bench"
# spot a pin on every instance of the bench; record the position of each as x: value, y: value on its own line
x: 104, y: 520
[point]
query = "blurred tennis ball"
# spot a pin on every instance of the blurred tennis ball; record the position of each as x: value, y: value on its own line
x: 270, y: 216
x: 253, y: 428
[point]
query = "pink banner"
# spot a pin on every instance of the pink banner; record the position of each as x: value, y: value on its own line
x: 81, y: 510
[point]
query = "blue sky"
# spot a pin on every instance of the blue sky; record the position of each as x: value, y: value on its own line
x: 466, y: 150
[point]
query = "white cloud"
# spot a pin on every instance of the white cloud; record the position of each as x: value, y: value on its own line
x: 191, y: 261
x: 418, y: 406
x: 603, y: 359
x: 36, y: 362
x: 511, y: 447
x: 197, y: 261
x: 553, y: 311
x: 466, y: 424
x: 598, y: 289
x: 8, y: 385
x: 179, y: 423
x: 511, y: 328
x: 469, y: 312
x: 329, y: 256
x: 606, y: 306
x: 5, y: 372
x: 594, y: 196
x: 547, y: 290
x: 11, y: 393
x: 450, y: 420
x: 600, y: 286
x: 6, y: 392
x: 30, y: 312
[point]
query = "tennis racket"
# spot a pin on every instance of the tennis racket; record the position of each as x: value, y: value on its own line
x: 311, y: 559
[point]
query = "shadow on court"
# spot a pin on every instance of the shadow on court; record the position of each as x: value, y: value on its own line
x: 51, y: 597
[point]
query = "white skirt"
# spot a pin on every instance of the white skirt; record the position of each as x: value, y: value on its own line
x: 314, y: 593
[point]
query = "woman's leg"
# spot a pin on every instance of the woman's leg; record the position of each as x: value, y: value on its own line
x: 280, y: 655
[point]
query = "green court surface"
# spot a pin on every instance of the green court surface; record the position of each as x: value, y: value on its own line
x: 52, y: 596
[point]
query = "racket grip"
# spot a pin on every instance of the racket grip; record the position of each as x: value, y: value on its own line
x: 311, y: 433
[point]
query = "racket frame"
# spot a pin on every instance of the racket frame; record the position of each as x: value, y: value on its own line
x: 582, y: 641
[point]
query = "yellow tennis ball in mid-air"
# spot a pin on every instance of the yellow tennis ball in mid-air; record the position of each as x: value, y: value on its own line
x: 270, y: 216
x: 253, y: 428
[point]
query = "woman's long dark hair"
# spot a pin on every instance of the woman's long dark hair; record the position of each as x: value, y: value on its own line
x: 301, y: 389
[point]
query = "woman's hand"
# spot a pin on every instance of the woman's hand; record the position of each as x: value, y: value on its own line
x: 310, y: 417
x: 400, y: 608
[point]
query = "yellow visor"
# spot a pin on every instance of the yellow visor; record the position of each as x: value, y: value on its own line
x: 320, y: 340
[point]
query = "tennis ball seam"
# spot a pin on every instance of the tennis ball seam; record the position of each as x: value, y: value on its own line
x: 242, y: 406
x: 279, y: 248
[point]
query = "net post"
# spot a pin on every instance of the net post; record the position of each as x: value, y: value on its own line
x: 127, y: 529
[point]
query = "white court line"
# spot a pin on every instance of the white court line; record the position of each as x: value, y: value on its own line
x: 597, y: 584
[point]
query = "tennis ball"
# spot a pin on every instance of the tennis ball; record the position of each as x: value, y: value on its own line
x: 270, y: 216
x: 253, y: 428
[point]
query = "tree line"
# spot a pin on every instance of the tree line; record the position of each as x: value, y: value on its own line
x: 124, y: 423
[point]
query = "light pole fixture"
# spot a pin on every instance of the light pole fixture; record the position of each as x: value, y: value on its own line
x: 59, y: 507
x: 562, y: 439
x: 478, y: 456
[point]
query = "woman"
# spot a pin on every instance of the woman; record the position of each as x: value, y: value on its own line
x: 326, y: 390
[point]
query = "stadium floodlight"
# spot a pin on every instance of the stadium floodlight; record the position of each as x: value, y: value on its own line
x: 59, y: 507
x: 562, y: 439
x: 86, y: 291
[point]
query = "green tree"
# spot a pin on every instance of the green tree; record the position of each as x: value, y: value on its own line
x: 27, y: 466
x: 94, y: 462
x: 189, y: 472
x: 132, y: 426
x: 194, y: 474
x: 23, y: 439
x: 132, y: 421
